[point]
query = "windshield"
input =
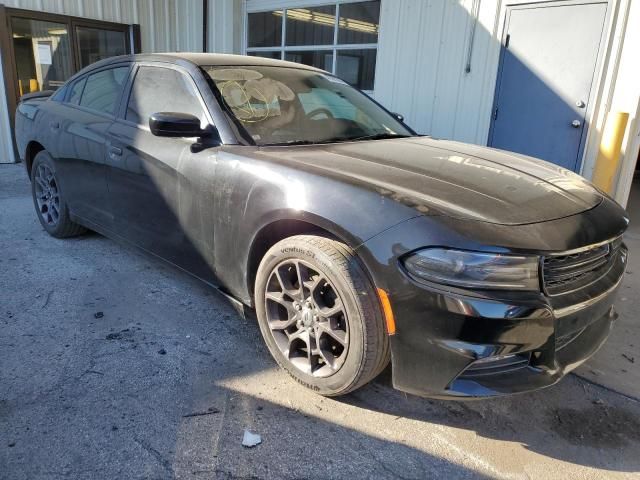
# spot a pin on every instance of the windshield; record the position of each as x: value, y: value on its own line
x: 283, y: 106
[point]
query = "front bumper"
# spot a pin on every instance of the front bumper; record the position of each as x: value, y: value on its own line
x: 467, y: 346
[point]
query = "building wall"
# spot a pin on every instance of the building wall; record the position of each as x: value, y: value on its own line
x: 422, y: 57
x: 165, y: 25
x: 423, y: 48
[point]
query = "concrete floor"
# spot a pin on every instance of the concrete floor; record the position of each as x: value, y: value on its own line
x: 113, y: 365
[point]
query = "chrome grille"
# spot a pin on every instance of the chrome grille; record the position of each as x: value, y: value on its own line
x: 568, y: 272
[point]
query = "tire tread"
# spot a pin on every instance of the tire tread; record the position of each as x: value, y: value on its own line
x: 346, y: 264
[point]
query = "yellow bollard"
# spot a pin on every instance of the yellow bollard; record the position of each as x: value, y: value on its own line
x: 33, y: 85
x: 610, y: 150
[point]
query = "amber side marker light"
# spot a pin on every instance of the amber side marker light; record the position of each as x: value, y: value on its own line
x: 388, y: 313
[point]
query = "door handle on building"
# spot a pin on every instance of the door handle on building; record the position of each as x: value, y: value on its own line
x: 576, y: 124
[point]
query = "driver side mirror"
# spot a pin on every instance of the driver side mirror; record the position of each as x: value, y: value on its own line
x: 173, y: 124
x: 398, y: 117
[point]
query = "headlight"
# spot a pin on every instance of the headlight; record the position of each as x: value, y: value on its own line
x: 474, y: 269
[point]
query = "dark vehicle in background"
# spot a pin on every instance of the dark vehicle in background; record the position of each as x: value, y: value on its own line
x: 476, y: 271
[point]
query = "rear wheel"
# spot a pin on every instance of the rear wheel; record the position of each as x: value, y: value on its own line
x: 319, y: 314
x: 49, y: 200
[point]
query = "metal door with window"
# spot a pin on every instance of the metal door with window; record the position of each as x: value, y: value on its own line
x: 547, y: 67
x: 40, y: 51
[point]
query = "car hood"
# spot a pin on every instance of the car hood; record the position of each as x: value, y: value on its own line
x: 450, y: 178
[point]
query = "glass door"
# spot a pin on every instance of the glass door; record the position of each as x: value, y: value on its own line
x: 42, y: 53
x: 95, y: 43
x: 44, y: 49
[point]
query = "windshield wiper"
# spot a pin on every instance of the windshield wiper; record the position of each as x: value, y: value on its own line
x: 299, y: 142
x: 378, y: 136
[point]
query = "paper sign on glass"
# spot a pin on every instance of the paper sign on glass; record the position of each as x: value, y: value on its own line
x: 44, y: 54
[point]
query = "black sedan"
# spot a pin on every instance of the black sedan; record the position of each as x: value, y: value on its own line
x: 477, y: 272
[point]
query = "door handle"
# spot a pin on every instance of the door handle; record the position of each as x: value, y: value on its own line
x: 576, y: 124
x: 115, y: 151
x: 54, y: 125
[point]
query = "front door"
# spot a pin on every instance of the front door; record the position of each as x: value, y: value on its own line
x: 160, y: 187
x: 546, y: 72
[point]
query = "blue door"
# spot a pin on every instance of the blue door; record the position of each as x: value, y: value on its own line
x: 547, y: 67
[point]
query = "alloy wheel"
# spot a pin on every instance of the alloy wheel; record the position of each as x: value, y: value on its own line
x: 47, y: 194
x: 307, y: 318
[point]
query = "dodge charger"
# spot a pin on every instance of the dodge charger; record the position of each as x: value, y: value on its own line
x: 356, y: 242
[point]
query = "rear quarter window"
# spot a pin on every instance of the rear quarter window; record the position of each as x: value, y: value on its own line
x: 60, y: 94
x: 76, y: 90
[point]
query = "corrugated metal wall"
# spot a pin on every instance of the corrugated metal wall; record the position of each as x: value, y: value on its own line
x: 165, y: 25
x: 422, y: 57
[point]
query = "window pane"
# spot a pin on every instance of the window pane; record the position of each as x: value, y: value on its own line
x: 357, y: 67
x: 95, y: 44
x: 265, y: 29
x: 158, y: 89
x: 359, y: 22
x: 76, y: 91
x: 60, y: 94
x: 311, y: 26
x: 42, y: 54
x: 315, y: 58
x: 102, y: 90
x: 269, y: 54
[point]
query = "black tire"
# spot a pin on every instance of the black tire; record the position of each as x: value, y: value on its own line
x: 48, y: 199
x: 338, y: 280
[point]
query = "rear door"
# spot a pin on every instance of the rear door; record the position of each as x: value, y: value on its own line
x: 161, y: 187
x: 547, y: 69
x: 80, y: 128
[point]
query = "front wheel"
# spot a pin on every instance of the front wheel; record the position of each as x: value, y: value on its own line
x: 319, y: 314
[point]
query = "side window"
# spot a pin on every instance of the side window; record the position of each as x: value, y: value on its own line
x: 102, y: 90
x: 76, y: 91
x: 157, y: 89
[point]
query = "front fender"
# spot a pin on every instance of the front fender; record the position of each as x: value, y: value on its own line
x: 251, y: 194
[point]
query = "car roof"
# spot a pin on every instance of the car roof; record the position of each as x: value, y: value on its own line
x: 199, y: 59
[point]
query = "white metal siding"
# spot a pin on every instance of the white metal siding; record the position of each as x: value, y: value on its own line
x: 422, y: 56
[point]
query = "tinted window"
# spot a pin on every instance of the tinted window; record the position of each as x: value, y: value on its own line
x: 157, y: 89
x: 263, y: 54
x: 102, y: 90
x: 265, y: 29
x: 357, y: 67
x: 95, y: 44
x: 311, y: 26
x: 359, y: 22
x: 76, y: 90
x: 322, y: 59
